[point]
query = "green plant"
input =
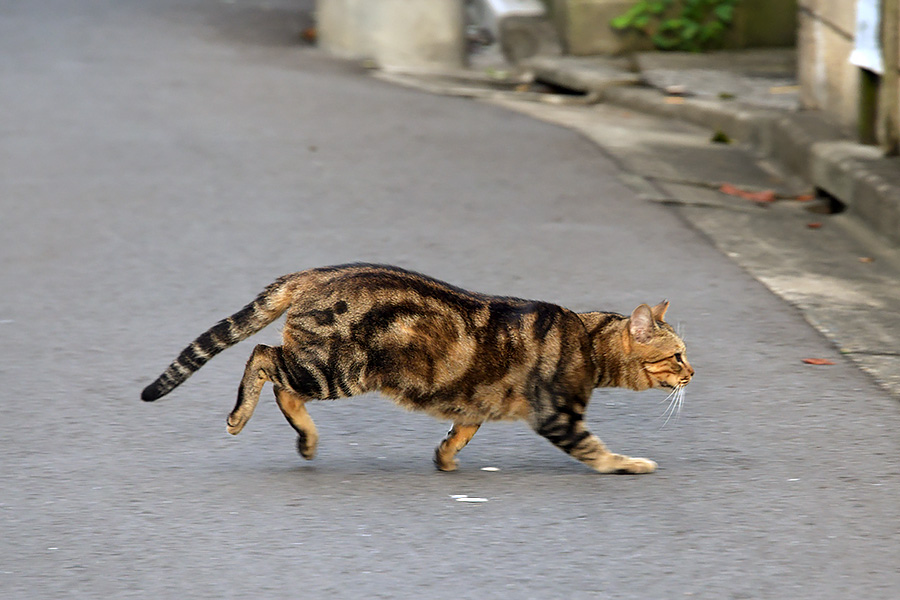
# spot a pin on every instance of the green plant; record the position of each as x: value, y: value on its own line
x: 691, y: 25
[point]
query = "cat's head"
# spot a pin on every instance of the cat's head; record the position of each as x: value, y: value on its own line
x: 657, y: 349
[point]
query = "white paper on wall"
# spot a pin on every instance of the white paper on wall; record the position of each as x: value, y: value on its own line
x: 867, y: 47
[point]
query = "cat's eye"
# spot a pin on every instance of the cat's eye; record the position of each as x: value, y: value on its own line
x: 678, y: 358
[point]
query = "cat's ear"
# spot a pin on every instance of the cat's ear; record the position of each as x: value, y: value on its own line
x: 659, y: 311
x: 642, y: 324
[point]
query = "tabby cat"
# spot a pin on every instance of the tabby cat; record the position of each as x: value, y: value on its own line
x: 433, y: 347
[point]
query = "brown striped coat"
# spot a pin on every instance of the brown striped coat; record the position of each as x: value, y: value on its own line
x: 433, y: 347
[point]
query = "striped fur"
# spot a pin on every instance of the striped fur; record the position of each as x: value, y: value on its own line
x: 457, y: 355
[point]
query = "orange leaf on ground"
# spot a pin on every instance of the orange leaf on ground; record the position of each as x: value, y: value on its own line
x: 310, y: 34
x: 762, y: 197
x: 817, y: 361
x: 815, y: 225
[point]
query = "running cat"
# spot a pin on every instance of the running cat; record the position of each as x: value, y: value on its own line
x: 457, y: 355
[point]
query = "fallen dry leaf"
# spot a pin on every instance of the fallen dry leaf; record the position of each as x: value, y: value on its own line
x: 815, y: 225
x: 309, y: 34
x: 817, y: 361
x: 762, y: 197
x: 866, y: 259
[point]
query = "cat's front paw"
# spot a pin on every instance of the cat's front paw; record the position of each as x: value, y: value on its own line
x: 639, y: 465
x: 619, y: 463
x: 444, y: 464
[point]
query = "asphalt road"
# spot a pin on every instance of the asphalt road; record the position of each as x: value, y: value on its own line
x: 161, y: 162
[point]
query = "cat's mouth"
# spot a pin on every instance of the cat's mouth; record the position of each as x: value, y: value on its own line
x: 668, y: 386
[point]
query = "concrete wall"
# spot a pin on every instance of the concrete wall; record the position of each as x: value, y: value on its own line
x: 828, y: 81
x: 763, y: 24
x: 584, y: 29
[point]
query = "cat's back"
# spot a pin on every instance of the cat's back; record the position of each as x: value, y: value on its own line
x: 358, y: 288
x: 359, y: 299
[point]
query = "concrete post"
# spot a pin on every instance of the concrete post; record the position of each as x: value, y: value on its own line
x: 343, y: 27
x: 396, y: 34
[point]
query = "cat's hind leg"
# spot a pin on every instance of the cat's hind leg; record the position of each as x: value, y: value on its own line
x: 456, y: 439
x: 567, y: 432
x: 263, y: 365
x: 293, y: 406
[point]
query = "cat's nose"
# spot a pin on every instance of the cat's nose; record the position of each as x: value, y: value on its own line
x: 690, y: 373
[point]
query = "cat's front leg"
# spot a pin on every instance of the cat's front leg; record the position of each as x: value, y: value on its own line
x: 567, y: 432
x: 457, y: 438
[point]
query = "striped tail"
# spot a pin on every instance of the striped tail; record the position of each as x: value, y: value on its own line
x: 267, y: 307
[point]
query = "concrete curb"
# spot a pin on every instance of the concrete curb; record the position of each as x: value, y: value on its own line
x: 582, y: 74
x: 459, y: 85
x: 802, y: 142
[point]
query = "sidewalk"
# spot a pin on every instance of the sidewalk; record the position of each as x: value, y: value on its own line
x: 751, y: 97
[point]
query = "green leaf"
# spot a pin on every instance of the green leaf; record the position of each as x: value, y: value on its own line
x: 626, y: 20
x: 679, y: 24
x: 725, y: 12
x: 711, y: 31
x: 672, y: 24
x: 690, y: 30
x: 664, y: 42
x: 659, y: 7
x: 621, y: 22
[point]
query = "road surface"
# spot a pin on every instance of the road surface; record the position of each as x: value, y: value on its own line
x: 161, y: 162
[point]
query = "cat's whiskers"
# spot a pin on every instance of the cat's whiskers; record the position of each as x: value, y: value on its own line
x: 676, y: 401
x: 669, y: 397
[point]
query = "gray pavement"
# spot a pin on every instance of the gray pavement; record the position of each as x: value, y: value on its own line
x: 160, y: 162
